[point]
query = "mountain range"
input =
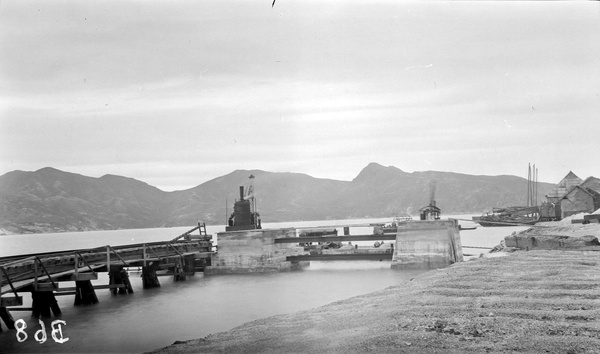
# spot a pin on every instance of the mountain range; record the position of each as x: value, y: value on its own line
x: 50, y: 200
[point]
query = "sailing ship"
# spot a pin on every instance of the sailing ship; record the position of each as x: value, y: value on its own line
x: 516, y: 215
x: 510, y: 216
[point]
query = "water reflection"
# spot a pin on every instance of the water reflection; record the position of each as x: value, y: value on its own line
x: 154, y: 318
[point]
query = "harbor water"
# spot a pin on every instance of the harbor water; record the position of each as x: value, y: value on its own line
x: 154, y: 318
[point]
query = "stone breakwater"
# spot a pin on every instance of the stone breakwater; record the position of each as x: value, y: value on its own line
x: 540, y: 301
x: 556, y: 236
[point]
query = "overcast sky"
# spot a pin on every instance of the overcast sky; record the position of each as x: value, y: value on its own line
x: 175, y: 93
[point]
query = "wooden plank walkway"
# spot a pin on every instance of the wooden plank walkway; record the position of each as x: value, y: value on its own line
x: 20, y: 272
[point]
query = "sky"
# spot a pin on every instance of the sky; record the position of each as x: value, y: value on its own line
x: 176, y: 93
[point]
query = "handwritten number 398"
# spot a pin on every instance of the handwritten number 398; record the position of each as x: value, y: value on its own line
x: 40, y: 334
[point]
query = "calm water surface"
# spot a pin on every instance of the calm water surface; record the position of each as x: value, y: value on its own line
x: 154, y: 318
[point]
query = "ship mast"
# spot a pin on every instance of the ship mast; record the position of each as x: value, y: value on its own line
x: 532, y: 179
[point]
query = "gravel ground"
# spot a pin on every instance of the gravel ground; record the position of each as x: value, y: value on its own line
x: 521, y: 302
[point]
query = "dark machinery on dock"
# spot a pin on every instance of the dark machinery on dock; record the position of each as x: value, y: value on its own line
x: 320, y: 233
x: 244, y: 216
x: 430, y: 212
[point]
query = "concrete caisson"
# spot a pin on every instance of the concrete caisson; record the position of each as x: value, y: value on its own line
x: 427, y: 244
x: 254, y: 251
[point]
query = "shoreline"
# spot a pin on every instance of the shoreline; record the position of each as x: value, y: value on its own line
x: 526, y: 301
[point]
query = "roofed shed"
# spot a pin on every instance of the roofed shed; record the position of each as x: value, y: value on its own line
x: 579, y: 200
x: 591, y: 183
x: 564, y: 186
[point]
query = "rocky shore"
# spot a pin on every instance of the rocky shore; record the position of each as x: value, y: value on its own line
x: 536, y: 301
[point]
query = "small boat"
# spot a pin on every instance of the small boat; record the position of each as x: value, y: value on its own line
x: 487, y: 222
x: 460, y: 227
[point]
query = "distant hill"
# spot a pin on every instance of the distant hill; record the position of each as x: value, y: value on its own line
x: 49, y: 200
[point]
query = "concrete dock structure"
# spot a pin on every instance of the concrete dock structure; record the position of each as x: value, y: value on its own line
x: 253, y: 251
x: 427, y: 244
x: 417, y: 244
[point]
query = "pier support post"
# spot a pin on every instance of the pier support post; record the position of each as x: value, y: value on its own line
x: 43, y: 302
x: 179, y: 273
x: 189, y: 262
x: 201, y: 264
x: 85, y: 293
x: 183, y: 267
x: 118, y: 275
x: 149, y: 277
x: 126, y: 281
x: 7, y: 318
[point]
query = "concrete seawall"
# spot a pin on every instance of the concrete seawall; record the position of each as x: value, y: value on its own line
x: 558, y: 237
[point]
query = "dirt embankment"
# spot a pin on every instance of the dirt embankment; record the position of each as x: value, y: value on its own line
x: 539, y: 301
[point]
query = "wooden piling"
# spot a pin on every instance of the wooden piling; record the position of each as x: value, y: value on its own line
x: 118, y: 276
x: 85, y: 293
x: 184, y: 266
x: 126, y: 281
x: 179, y: 272
x: 43, y: 302
x: 189, y: 266
x: 7, y: 318
x: 149, y: 278
x: 201, y: 263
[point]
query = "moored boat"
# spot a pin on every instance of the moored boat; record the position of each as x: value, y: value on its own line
x: 510, y: 216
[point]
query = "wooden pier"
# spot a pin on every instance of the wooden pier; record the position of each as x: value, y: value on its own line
x: 42, y: 274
